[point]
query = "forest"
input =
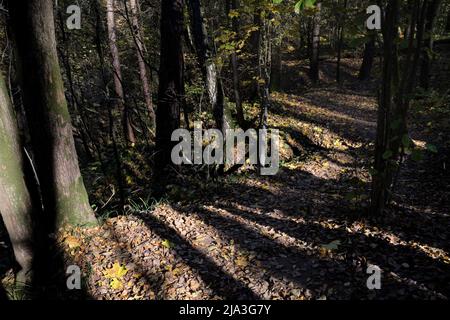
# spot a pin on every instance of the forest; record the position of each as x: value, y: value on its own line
x: 224, y: 150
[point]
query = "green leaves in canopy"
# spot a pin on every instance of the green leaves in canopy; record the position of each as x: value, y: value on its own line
x: 299, y: 5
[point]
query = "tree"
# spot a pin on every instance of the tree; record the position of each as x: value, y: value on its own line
x: 426, y: 59
x: 139, y: 43
x: 368, y: 57
x: 207, y: 65
x: 171, y: 79
x: 315, y: 44
x: 234, y: 24
x: 382, y: 176
x: 16, y: 206
x: 398, y: 82
x: 63, y: 193
x: 341, y: 21
x: 117, y: 70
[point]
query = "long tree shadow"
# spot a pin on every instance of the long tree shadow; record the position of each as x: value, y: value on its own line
x: 385, y: 255
x: 154, y: 281
x: 219, y: 281
x: 372, y: 248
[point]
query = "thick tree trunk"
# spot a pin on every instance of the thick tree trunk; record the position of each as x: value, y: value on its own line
x: 118, y: 85
x: 16, y: 206
x: 138, y: 40
x: 368, y: 58
x: 432, y: 12
x: 63, y: 192
x: 315, y: 45
x: 171, y: 79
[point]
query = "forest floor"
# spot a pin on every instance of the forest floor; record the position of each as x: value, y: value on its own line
x: 297, y: 235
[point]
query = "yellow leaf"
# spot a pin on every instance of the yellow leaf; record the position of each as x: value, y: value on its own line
x: 167, y: 244
x: 116, y: 284
x: 117, y: 271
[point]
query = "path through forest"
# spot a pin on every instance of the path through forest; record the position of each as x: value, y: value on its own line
x: 296, y: 235
x: 282, y: 237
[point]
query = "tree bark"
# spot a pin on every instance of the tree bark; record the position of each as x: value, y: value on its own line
x: 368, y: 58
x: 275, y: 74
x: 207, y: 65
x: 382, y: 174
x: 171, y: 80
x: 16, y: 206
x: 432, y: 12
x: 64, y: 196
x: 315, y: 45
x: 118, y: 85
x: 99, y: 32
x: 138, y: 40
x: 234, y: 24
x: 340, y: 43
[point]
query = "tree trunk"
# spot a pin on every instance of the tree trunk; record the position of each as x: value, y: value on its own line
x: 368, y: 58
x: 340, y: 43
x: 63, y: 192
x: 171, y: 80
x: 118, y: 85
x: 207, y: 65
x: 315, y: 45
x: 234, y: 24
x: 428, y: 43
x: 15, y: 201
x: 138, y: 40
x: 382, y: 173
x: 395, y: 100
x: 99, y: 32
x: 275, y: 74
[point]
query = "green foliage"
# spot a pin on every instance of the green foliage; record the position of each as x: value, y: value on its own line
x: 299, y: 5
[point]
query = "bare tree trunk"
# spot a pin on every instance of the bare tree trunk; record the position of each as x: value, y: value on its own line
x: 171, y: 80
x: 428, y: 43
x: 368, y: 58
x: 15, y: 201
x: 340, y: 43
x: 382, y: 174
x: 207, y: 65
x: 275, y: 74
x: 63, y: 192
x: 395, y: 100
x: 315, y: 45
x: 138, y: 40
x: 118, y: 85
x: 98, y: 43
x: 234, y: 5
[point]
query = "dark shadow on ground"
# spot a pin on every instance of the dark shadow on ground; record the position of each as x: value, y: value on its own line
x: 223, y: 284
